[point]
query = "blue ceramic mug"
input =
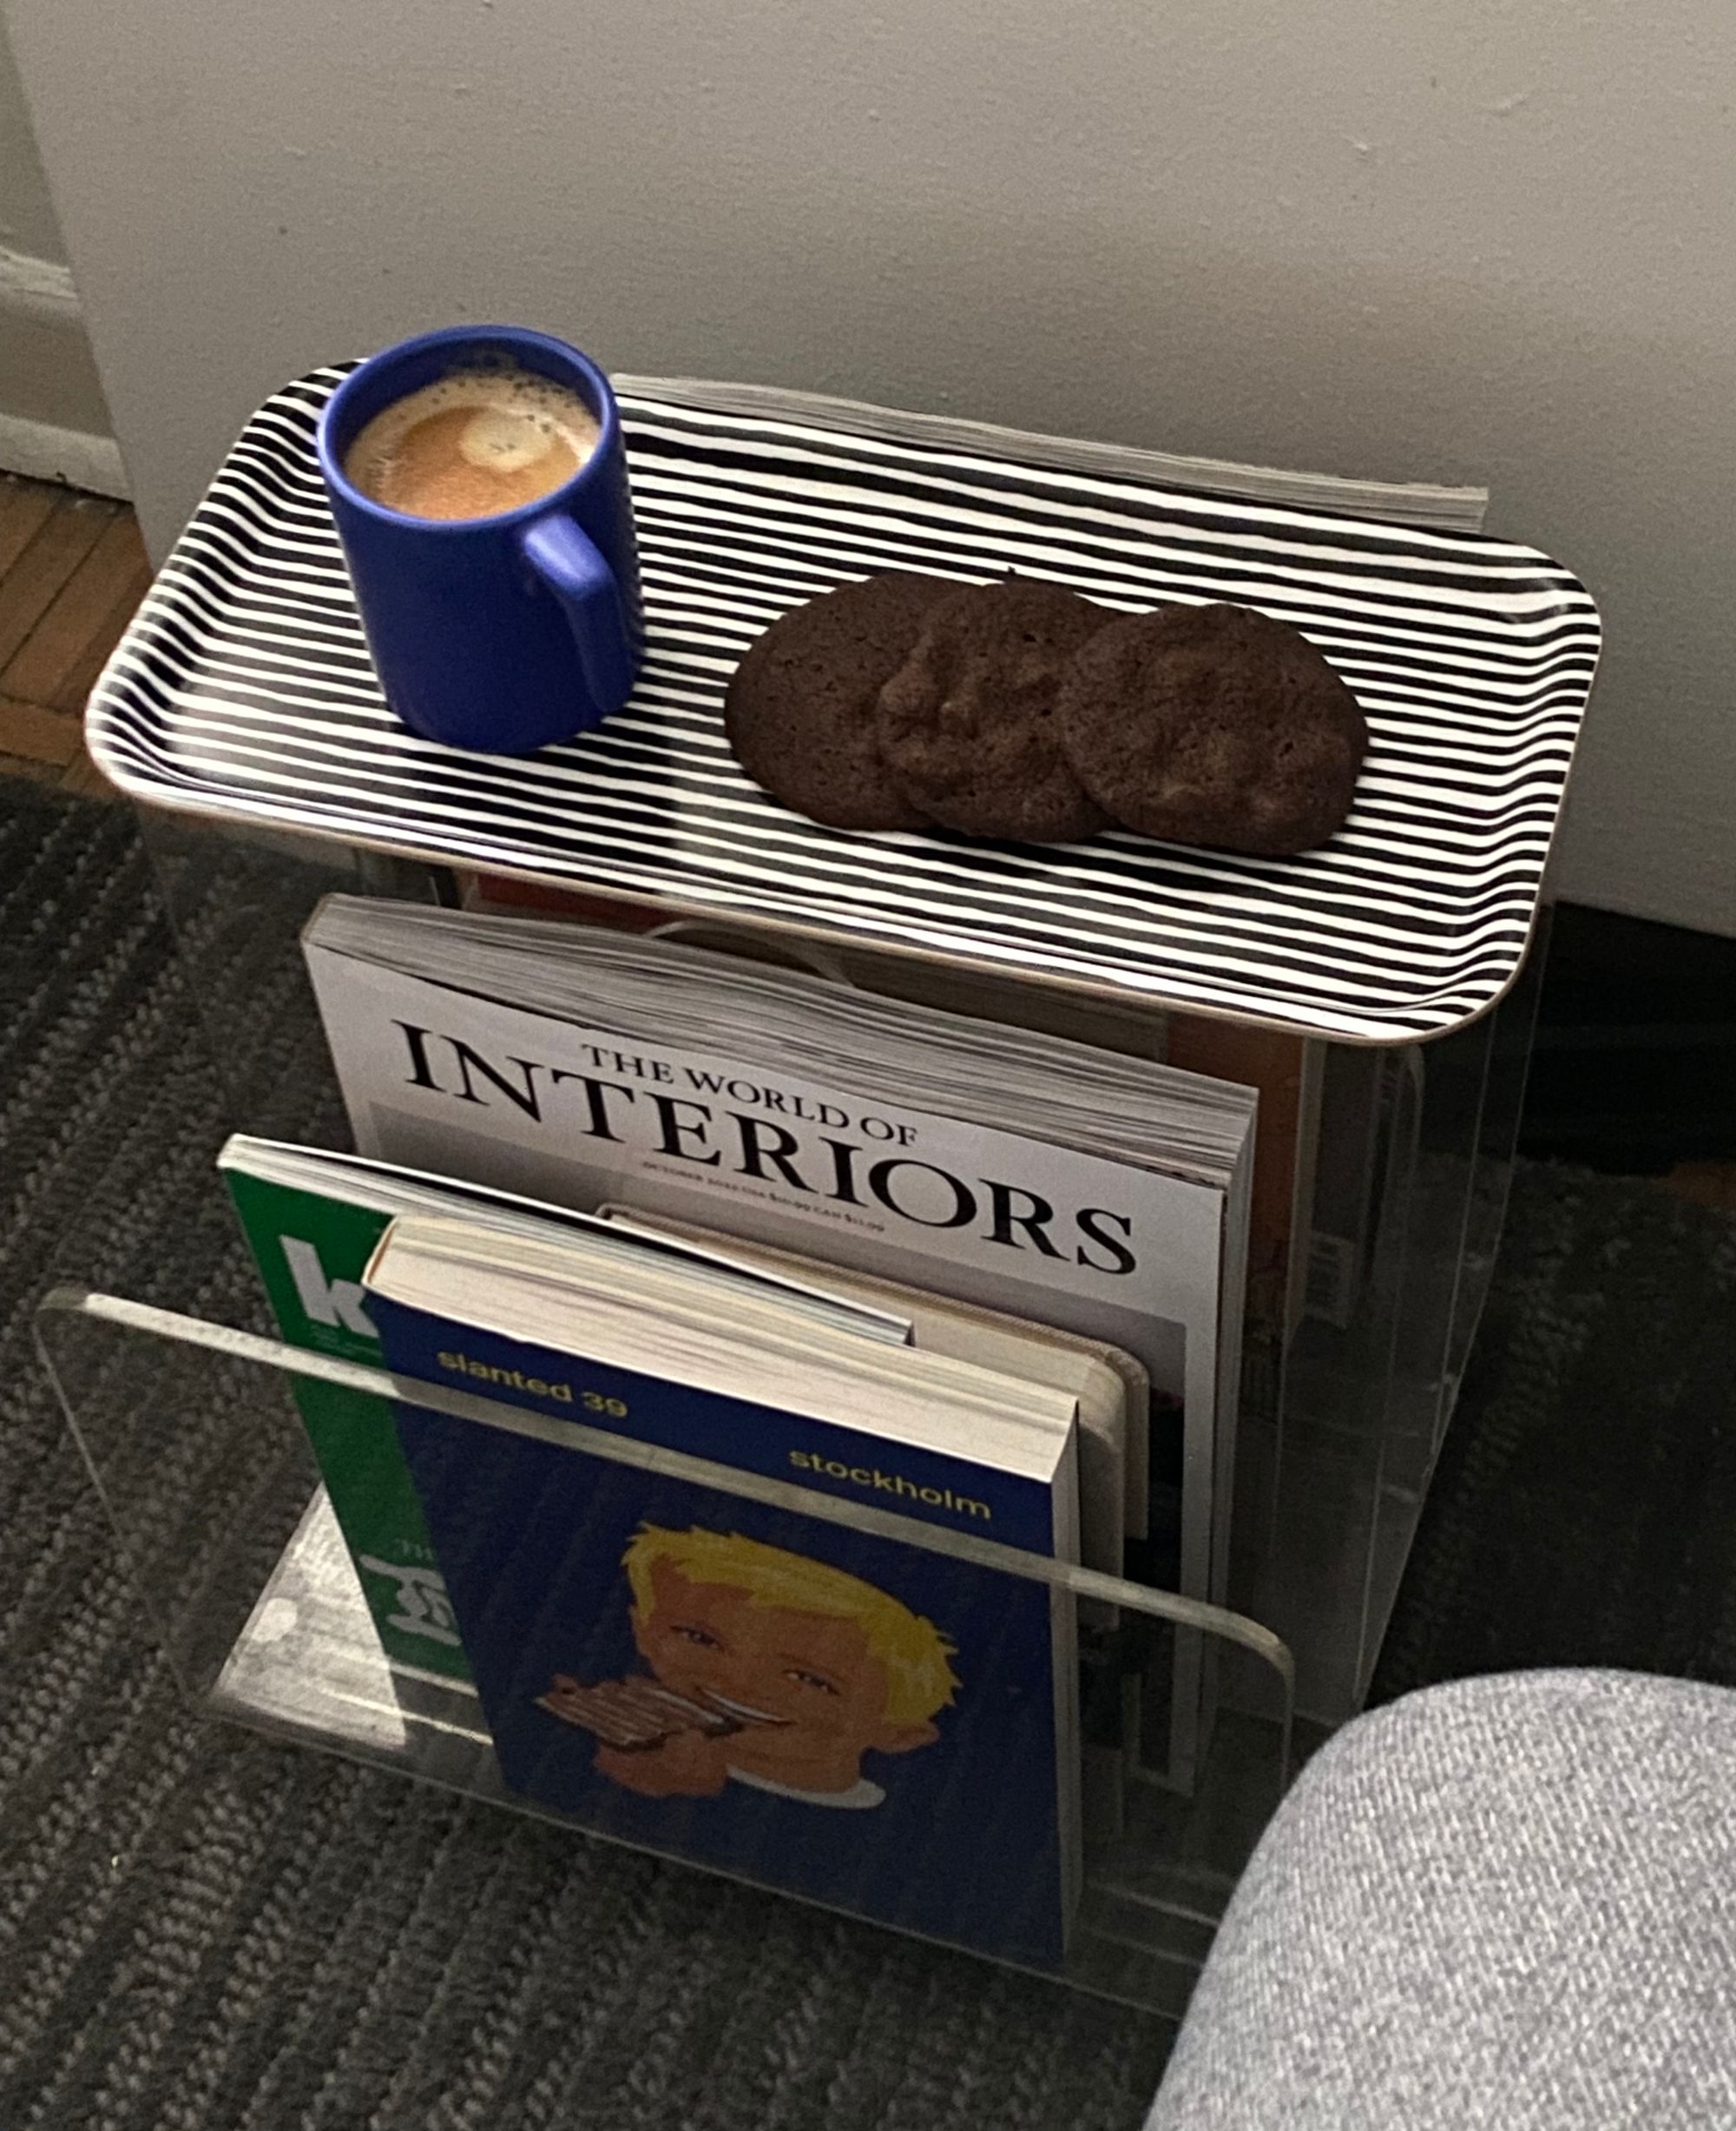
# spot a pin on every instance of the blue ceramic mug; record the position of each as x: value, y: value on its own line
x: 501, y: 633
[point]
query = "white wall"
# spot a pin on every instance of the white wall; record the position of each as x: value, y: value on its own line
x: 27, y: 216
x: 1453, y: 238
x: 48, y: 382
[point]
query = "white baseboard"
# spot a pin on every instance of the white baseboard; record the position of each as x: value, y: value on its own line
x: 37, y: 288
x: 42, y: 291
x: 46, y: 453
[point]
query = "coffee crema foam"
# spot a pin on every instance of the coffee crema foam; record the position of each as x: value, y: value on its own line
x: 473, y: 445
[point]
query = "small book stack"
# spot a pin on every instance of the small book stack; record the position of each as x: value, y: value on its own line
x: 729, y: 1309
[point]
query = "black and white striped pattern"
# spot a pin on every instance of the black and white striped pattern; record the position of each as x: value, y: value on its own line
x: 243, y: 690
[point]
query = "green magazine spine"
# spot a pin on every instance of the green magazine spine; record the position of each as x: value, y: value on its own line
x: 312, y: 1251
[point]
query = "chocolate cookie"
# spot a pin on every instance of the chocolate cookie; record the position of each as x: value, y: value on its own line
x: 1215, y: 725
x: 967, y: 724
x: 799, y: 709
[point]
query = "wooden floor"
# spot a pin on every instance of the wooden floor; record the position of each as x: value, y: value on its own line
x: 72, y: 569
x: 1710, y: 1183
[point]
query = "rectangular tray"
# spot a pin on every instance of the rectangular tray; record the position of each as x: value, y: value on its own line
x: 243, y: 691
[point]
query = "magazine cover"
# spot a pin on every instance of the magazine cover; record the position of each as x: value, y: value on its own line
x: 832, y: 1713
x: 435, y: 1076
x: 312, y: 1248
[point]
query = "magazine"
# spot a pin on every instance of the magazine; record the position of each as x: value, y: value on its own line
x: 835, y: 1712
x: 312, y: 1241
x: 1286, y: 1070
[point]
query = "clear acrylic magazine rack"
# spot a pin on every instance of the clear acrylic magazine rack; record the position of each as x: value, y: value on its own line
x: 1400, y: 965
x: 1400, y: 1214
x: 190, y: 1433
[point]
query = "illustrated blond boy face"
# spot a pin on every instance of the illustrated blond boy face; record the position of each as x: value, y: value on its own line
x: 816, y: 1666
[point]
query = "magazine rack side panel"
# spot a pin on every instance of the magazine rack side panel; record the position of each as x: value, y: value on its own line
x: 191, y: 1435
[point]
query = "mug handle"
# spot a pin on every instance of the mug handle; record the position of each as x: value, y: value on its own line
x: 567, y: 561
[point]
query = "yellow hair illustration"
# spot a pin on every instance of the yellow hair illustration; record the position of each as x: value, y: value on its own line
x: 913, y: 1651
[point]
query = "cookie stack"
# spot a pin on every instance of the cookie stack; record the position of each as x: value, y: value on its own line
x: 1020, y: 710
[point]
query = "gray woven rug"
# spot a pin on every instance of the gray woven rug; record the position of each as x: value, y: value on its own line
x: 202, y: 1931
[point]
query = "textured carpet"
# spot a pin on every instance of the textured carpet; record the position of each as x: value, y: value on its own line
x: 202, y: 1931
x: 1583, y: 1511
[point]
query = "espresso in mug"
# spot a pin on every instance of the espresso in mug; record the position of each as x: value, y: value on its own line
x: 473, y: 445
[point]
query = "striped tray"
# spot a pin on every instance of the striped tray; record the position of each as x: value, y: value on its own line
x: 243, y: 691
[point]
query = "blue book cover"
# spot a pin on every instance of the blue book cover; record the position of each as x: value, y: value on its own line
x: 828, y: 1712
